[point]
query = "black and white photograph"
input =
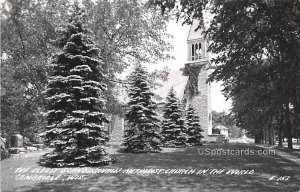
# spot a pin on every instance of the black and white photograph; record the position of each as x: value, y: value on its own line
x: 150, y: 95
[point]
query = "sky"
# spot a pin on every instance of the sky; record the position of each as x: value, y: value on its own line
x: 179, y: 42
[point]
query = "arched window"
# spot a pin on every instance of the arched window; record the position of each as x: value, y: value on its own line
x: 193, y: 52
x: 196, y: 51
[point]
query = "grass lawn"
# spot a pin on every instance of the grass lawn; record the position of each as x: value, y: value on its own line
x: 264, y: 168
x: 295, y: 151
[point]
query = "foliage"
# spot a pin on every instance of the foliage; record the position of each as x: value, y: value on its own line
x: 128, y: 33
x: 257, y: 45
x: 227, y: 120
x: 125, y: 31
x: 173, y: 128
x: 24, y: 53
x: 75, y: 102
x: 223, y: 118
x: 143, y: 132
x: 131, y: 32
x: 193, y: 127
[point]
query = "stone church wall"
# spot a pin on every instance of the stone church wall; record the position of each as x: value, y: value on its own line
x: 201, y: 103
x: 117, y: 131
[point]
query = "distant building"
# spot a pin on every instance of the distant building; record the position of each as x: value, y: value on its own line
x: 220, y: 130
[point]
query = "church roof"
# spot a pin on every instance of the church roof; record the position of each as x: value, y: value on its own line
x: 195, y: 34
x: 220, y: 127
x: 175, y: 80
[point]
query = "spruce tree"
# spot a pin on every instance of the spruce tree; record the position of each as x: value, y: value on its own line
x: 193, y: 127
x: 143, y: 133
x: 173, y: 129
x: 75, y: 99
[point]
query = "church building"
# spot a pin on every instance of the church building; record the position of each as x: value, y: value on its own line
x: 190, y: 87
x: 197, y: 91
x: 190, y: 83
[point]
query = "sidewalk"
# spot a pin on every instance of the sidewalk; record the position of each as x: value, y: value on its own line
x: 285, y: 155
x: 29, y: 154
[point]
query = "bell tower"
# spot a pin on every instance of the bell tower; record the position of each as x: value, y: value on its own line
x: 197, y: 92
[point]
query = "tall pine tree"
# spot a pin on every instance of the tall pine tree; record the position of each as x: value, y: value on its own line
x: 75, y: 99
x: 173, y: 129
x: 143, y: 133
x: 193, y: 127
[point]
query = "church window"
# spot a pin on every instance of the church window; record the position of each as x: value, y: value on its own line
x: 216, y: 131
x: 193, y: 52
x: 196, y: 51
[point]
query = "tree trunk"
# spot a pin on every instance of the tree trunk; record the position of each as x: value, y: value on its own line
x: 272, y: 132
x: 289, y: 126
x: 263, y: 136
x: 269, y: 132
x: 273, y: 136
x: 280, y: 138
x: 280, y: 128
x: 297, y: 69
x: 257, y: 139
x: 258, y: 136
x: 297, y: 102
x: 266, y: 133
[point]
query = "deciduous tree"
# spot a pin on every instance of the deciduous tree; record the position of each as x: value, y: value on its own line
x: 251, y: 37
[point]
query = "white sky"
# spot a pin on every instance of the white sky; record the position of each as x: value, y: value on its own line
x: 179, y: 42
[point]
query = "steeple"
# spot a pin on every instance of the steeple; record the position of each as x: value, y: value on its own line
x: 195, y: 34
x: 197, y: 91
x: 197, y: 45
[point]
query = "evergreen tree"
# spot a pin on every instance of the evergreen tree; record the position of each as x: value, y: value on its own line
x: 173, y: 129
x: 193, y: 127
x: 143, y: 133
x: 75, y: 102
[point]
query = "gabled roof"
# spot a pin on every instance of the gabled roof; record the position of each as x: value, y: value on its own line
x: 195, y: 34
x: 220, y: 127
x: 175, y: 80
